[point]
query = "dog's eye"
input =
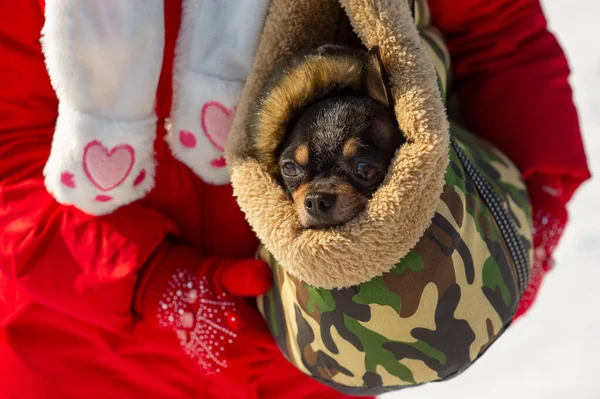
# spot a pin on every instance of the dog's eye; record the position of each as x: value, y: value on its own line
x: 289, y: 169
x: 364, y: 171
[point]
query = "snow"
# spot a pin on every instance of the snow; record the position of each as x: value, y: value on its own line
x: 554, y: 351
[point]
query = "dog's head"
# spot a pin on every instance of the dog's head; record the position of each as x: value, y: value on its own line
x: 338, y: 149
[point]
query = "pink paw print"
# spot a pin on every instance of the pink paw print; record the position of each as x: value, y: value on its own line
x: 106, y: 169
x: 99, y: 177
x: 216, y: 121
x: 199, y: 132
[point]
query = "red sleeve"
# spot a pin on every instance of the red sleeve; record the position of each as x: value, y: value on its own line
x: 50, y: 254
x: 57, y: 256
x: 512, y: 80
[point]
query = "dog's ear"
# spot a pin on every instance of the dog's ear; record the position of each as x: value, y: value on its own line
x: 375, y: 79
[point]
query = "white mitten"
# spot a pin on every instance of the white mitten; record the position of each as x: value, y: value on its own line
x: 104, y: 60
x: 214, y: 55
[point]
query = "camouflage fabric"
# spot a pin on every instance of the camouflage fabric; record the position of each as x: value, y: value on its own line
x: 429, y: 317
x: 440, y: 307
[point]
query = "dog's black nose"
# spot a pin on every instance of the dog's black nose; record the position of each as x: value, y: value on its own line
x: 319, y: 203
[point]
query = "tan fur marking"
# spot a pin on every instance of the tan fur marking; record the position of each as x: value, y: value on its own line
x: 351, y: 148
x: 346, y: 189
x: 301, y: 155
x: 349, y: 202
x: 301, y: 193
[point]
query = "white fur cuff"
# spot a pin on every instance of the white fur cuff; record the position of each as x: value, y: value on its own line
x: 98, y: 164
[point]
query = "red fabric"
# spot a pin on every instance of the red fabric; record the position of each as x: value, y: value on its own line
x: 512, y: 79
x: 79, y: 296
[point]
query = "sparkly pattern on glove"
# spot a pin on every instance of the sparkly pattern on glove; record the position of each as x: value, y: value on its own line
x: 547, y: 231
x: 205, y: 322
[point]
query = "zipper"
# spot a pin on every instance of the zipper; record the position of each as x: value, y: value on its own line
x: 503, y: 219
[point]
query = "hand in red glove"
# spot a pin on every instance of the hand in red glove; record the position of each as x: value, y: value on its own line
x: 549, y: 220
x: 217, y: 328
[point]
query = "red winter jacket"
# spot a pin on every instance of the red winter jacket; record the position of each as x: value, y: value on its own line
x: 80, y: 295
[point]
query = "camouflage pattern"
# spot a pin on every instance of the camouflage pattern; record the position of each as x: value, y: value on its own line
x: 430, y: 316
x: 439, y: 308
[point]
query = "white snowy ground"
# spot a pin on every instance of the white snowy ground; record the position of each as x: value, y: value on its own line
x: 554, y: 351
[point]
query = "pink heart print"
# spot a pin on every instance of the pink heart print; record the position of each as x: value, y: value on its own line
x: 216, y: 122
x: 106, y: 168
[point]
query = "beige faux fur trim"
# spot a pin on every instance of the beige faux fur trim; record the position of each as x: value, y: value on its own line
x: 402, y: 208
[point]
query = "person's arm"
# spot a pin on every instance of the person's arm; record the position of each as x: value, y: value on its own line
x: 110, y: 271
x: 512, y: 80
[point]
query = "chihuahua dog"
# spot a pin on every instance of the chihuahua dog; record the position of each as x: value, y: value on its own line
x: 337, y: 150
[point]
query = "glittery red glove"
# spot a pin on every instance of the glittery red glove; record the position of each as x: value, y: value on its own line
x: 549, y: 220
x: 217, y: 328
